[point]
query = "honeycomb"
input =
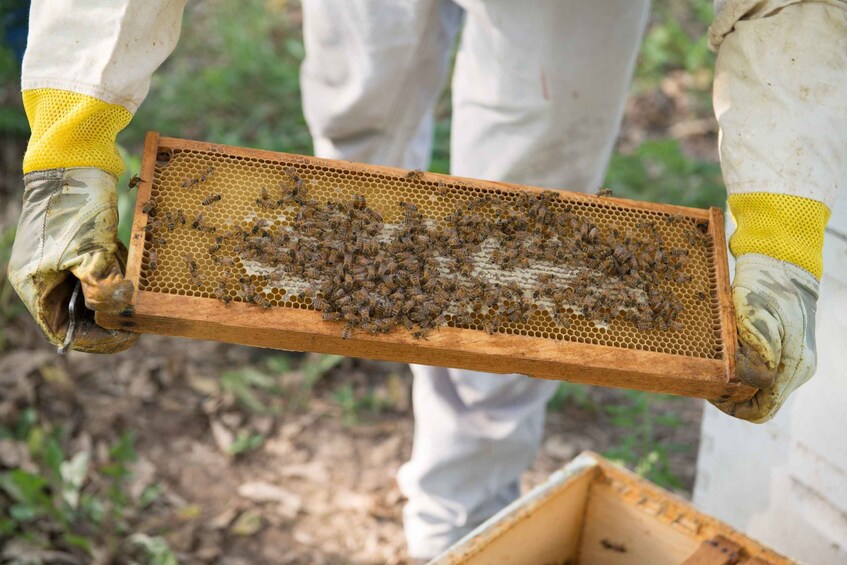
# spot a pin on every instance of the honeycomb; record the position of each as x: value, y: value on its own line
x: 185, y: 177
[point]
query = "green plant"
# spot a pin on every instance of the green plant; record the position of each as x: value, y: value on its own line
x: 675, y: 40
x: 247, y: 384
x: 234, y: 78
x: 10, y: 306
x: 314, y: 368
x: 155, y: 550
x: 640, y: 449
x: 659, y: 171
x: 245, y: 442
x: 80, y: 504
x: 353, y: 403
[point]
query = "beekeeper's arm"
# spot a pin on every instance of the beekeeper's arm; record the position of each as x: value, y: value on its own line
x: 86, y: 69
x: 780, y: 96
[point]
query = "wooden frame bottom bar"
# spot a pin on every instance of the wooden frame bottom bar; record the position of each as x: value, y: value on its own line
x: 303, y: 330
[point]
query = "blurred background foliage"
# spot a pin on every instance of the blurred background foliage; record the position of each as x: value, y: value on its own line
x: 233, y: 79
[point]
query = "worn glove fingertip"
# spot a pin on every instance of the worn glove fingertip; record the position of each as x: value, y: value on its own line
x: 752, y: 369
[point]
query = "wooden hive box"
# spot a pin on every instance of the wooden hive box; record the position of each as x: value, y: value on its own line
x: 178, y: 175
x: 595, y: 512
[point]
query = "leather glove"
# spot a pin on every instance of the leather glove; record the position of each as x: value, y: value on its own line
x: 68, y: 231
x: 775, y: 304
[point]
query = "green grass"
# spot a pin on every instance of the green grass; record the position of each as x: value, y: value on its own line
x: 675, y: 40
x: 82, y: 503
x: 659, y: 171
x: 640, y: 426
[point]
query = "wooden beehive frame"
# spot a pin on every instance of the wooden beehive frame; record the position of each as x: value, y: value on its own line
x: 303, y: 330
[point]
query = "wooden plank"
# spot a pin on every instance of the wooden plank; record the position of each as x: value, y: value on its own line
x: 618, y: 532
x: 666, y: 513
x: 543, y: 527
x: 717, y: 551
x: 729, y: 332
x: 303, y: 330
x: 144, y: 190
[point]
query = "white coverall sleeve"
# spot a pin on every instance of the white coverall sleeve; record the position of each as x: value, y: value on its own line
x: 780, y: 96
x: 107, y: 49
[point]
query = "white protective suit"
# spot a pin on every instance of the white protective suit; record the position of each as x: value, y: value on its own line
x: 538, y: 94
x: 785, y: 482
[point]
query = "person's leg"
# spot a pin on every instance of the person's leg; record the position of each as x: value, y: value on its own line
x: 539, y: 89
x: 372, y: 75
x: 538, y: 94
x: 475, y: 433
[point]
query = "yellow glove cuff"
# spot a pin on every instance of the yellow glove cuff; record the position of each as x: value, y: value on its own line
x: 72, y: 130
x: 785, y: 227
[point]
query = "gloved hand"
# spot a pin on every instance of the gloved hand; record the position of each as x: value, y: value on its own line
x: 68, y: 227
x: 775, y: 304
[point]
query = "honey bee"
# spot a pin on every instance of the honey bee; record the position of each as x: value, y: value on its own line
x: 248, y: 290
x: 211, y: 199
x: 190, y: 182
x: 149, y: 206
x: 225, y: 261
x: 621, y: 254
x: 222, y: 294
x: 260, y: 224
x: 347, y: 332
x: 154, y: 260
x: 133, y: 182
x: 420, y: 334
x: 644, y: 325
x: 170, y: 221
x: 692, y: 238
x: 298, y: 182
x: 161, y: 241
x: 491, y: 326
x: 359, y: 202
x: 414, y: 175
x: 152, y: 225
x: 199, y: 224
x: 701, y: 296
x: 262, y: 302
x: 190, y: 262
x: 214, y: 248
x: 604, y: 192
x: 331, y: 316
x: 180, y: 217
x: 206, y: 174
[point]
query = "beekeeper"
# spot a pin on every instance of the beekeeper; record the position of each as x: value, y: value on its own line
x: 538, y: 94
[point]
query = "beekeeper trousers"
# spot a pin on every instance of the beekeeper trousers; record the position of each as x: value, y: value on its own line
x: 538, y: 92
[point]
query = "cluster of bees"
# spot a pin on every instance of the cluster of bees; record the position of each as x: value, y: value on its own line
x: 422, y: 273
